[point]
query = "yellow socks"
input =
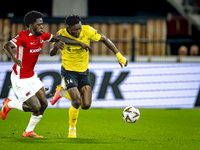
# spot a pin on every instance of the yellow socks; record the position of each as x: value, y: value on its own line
x: 73, y: 115
x: 64, y: 93
x: 67, y: 96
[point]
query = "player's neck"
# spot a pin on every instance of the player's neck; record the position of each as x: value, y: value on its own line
x: 32, y: 32
x: 68, y: 31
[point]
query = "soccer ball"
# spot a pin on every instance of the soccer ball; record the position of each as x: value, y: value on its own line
x: 131, y: 114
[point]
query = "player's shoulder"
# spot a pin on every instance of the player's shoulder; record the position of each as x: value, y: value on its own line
x: 88, y: 29
x: 45, y: 34
x: 24, y: 33
x: 85, y: 27
x: 62, y: 31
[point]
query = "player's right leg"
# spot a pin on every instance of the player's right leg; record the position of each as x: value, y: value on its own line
x: 60, y: 92
x: 8, y: 104
x: 86, y: 93
x: 30, y: 105
x: 5, y: 109
x: 71, y: 84
x: 68, y: 76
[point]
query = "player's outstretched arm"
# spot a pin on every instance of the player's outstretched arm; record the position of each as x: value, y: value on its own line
x: 111, y: 46
x: 70, y: 41
x: 64, y: 39
x: 8, y: 50
x: 61, y: 41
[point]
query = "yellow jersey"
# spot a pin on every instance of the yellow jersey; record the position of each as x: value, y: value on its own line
x: 74, y: 57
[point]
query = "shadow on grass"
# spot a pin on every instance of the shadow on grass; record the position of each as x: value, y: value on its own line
x: 68, y: 140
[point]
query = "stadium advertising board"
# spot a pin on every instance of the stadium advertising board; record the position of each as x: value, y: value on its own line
x: 145, y: 85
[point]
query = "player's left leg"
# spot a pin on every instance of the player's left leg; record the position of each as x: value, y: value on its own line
x: 84, y: 96
x: 39, y: 104
x: 73, y: 111
x: 40, y: 97
x: 85, y: 90
x: 34, y: 103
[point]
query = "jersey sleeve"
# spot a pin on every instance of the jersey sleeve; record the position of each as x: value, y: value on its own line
x: 18, y: 40
x: 93, y: 34
x: 47, y: 36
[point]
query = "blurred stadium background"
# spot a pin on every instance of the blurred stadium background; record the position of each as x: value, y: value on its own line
x: 148, y: 33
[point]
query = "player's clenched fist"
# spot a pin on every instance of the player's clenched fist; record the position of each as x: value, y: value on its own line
x: 17, y: 62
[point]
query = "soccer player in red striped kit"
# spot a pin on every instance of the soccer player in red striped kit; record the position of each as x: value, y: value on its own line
x: 25, y: 83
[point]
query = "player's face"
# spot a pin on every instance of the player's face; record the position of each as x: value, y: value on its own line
x: 75, y: 30
x: 38, y: 27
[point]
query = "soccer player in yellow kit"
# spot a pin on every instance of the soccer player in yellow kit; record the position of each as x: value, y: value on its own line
x: 74, y: 68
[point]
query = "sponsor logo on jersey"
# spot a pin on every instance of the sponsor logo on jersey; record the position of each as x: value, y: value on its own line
x: 35, y: 50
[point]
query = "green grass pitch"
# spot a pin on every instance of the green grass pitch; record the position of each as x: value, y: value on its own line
x: 104, y: 129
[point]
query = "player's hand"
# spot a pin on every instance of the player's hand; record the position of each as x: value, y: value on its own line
x: 60, y: 45
x: 123, y: 63
x: 86, y: 47
x: 122, y: 60
x: 17, y: 62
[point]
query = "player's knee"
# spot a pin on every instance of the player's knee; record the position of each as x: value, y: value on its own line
x: 44, y: 105
x: 86, y: 106
x: 76, y: 102
x: 76, y: 105
x: 36, y: 108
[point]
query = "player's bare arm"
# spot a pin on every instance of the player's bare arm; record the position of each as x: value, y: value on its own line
x: 69, y: 41
x: 8, y: 48
x: 112, y: 47
x: 61, y: 41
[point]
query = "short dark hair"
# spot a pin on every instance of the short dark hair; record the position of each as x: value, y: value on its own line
x: 72, y: 20
x: 31, y: 17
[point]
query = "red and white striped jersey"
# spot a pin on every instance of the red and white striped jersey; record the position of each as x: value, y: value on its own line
x: 28, y: 50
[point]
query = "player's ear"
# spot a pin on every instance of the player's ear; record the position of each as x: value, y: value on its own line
x: 30, y: 25
x: 67, y: 27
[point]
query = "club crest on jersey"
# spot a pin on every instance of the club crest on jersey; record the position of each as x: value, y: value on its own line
x: 41, y: 41
x: 35, y: 50
x: 17, y: 37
